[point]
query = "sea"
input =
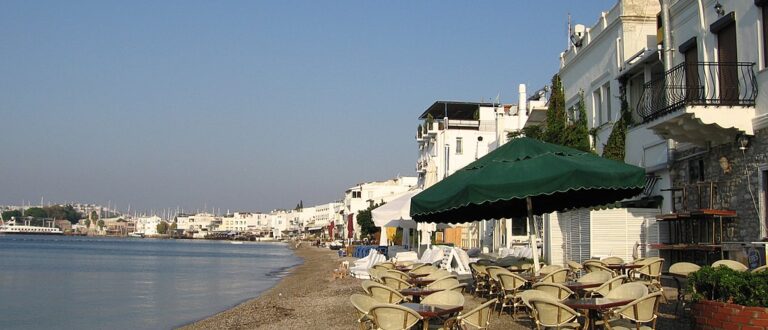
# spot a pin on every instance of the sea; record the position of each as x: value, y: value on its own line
x: 63, y: 282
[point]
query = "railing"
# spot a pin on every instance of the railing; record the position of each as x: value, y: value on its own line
x: 703, y: 83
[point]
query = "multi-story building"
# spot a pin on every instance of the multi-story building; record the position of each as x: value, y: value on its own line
x: 199, y: 224
x: 700, y: 120
x: 363, y: 195
x: 242, y: 222
x: 148, y: 225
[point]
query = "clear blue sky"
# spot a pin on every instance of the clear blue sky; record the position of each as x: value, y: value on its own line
x: 249, y: 105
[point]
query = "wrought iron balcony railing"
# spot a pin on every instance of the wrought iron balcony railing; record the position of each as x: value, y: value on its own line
x: 702, y: 83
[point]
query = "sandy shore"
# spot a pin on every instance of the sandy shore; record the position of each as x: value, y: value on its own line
x: 305, y: 299
x: 308, y: 298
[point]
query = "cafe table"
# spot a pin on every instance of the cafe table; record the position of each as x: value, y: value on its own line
x: 417, y: 293
x: 593, y: 306
x: 412, y: 275
x: 432, y: 311
x: 420, y: 281
x: 623, y: 268
x: 579, y: 287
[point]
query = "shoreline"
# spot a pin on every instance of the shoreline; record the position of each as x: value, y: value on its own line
x: 306, y: 297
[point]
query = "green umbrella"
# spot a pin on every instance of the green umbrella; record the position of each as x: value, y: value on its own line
x: 527, y: 177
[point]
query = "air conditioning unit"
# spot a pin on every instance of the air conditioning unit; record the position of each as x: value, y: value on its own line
x: 579, y: 30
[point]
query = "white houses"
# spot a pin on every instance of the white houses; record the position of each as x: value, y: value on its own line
x: 363, y: 195
x: 242, y: 222
x: 200, y: 223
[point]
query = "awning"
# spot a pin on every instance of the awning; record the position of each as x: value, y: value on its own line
x: 315, y: 228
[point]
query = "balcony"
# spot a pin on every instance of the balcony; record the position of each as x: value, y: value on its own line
x: 701, y: 102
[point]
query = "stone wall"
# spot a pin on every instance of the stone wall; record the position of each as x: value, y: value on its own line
x: 735, y: 173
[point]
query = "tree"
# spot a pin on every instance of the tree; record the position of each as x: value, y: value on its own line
x: 162, y: 228
x: 94, y: 216
x: 365, y: 220
x: 35, y: 212
x: 13, y: 213
x: 556, y: 116
x: 577, y: 134
x: 63, y: 212
x: 616, y: 144
x: 87, y: 223
x: 100, y: 223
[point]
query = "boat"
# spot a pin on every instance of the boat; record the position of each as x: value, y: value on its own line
x: 236, y: 242
x: 13, y: 228
x: 136, y: 235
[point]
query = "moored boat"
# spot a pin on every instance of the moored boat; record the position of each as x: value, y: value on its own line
x: 13, y: 228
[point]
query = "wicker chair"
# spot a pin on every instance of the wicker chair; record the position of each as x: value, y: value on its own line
x: 522, y: 299
x: 510, y: 284
x: 760, y: 269
x: 636, y: 313
x: 598, y: 266
x: 732, y: 264
x: 612, y: 260
x: 478, y: 318
x: 395, y: 283
x: 444, y: 283
x: 595, y: 277
x: 556, y: 290
x: 479, y: 278
x: 557, y: 276
x: 603, y: 290
x: 575, y: 268
x: 385, y: 294
x: 680, y: 272
x: 394, y: 317
x: 650, y: 274
x: 552, y: 313
x: 398, y: 274
x: 549, y: 269
x: 424, y: 269
x: 363, y: 305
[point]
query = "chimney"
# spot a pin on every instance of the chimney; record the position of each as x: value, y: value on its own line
x: 522, y: 107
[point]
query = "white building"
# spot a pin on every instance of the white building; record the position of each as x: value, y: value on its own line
x: 363, y: 195
x: 242, y: 222
x: 200, y: 223
x: 454, y: 134
x: 148, y: 225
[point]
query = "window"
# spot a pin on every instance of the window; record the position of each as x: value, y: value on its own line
x: 597, y: 106
x: 356, y: 194
x: 519, y: 227
x: 459, y: 146
x: 607, y: 101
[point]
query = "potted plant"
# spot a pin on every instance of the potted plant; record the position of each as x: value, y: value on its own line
x: 725, y: 298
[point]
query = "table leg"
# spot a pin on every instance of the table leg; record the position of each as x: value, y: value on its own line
x: 425, y: 321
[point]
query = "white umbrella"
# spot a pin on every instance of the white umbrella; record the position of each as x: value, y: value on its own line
x: 395, y: 213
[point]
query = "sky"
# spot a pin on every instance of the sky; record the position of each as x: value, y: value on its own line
x: 248, y: 105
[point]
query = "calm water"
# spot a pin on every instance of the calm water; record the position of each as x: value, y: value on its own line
x: 96, y: 283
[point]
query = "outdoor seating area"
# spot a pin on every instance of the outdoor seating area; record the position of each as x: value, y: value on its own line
x: 428, y: 297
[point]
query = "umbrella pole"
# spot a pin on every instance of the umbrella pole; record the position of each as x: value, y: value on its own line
x: 532, y: 236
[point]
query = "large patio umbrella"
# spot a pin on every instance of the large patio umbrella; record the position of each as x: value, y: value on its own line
x: 527, y: 177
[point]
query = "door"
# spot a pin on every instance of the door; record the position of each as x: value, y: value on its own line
x: 727, y: 65
x: 694, y: 90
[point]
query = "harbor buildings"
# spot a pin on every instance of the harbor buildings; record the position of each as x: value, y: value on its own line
x: 364, y: 195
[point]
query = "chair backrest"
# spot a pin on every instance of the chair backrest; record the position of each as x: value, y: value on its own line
x: 595, y: 277
x: 592, y: 261
x: 424, y: 269
x: 477, y: 270
x: 552, y: 313
x: 612, y: 260
x: 395, y: 283
x: 480, y: 317
x: 445, y: 298
x: 363, y: 303
x: 632, y: 290
x: 643, y: 261
x: 398, y: 274
x: 385, y: 294
x: 643, y: 309
x: 388, y: 265
x: 683, y: 268
x: 732, y: 264
x: 610, y: 285
x: 558, y: 276
x: 574, y: 266
x: 596, y: 267
x: 444, y: 283
x: 438, y: 274
x: 559, y: 291
x: 549, y: 269
x: 394, y: 317
x: 492, y: 271
x: 510, y: 282
x: 652, y: 268
x: 380, y: 267
x: 760, y: 269
x: 367, y: 284
x: 458, y: 288
x: 376, y: 274
x: 526, y: 296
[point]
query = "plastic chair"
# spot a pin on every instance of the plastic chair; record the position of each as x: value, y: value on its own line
x: 732, y: 264
x: 595, y: 277
x: 478, y: 318
x: 510, y: 284
x: 557, y: 276
x: 556, y: 290
x: 363, y: 305
x: 636, y: 313
x: 551, y: 313
x: 394, y: 317
x: 606, y: 287
x: 385, y: 294
x: 395, y: 283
